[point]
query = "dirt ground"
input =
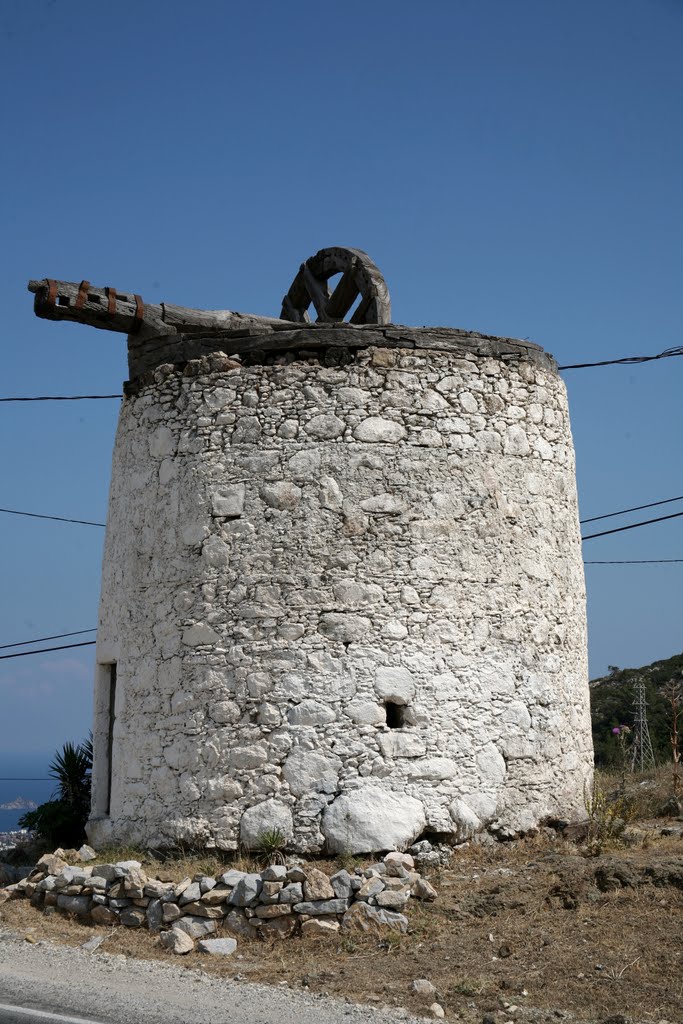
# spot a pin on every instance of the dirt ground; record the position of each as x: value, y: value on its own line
x: 535, y: 925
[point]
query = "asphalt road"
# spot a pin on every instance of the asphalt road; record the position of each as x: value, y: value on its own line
x: 26, y: 1015
x: 103, y: 988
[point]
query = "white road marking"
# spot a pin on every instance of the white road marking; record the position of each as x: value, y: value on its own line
x: 44, y: 1015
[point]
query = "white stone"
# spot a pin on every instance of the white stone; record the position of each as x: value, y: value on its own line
x: 395, y: 684
x: 375, y: 429
x: 309, y: 772
x: 268, y: 816
x: 162, y: 442
x: 340, y: 626
x: 389, y: 504
x: 228, y: 499
x: 325, y: 427
x: 466, y: 821
x: 366, y: 712
x: 318, y: 927
x: 402, y: 744
x: 423, y: 987
x: 369, y: 819
x: 515, y: 441
x: 310, y: 712
x: 216, y: 552
x: 331, y: 496
x: 350, y: 594
x: 281, y: 495
x: 217, y: 947
x: 436, y: 768
x: 200, y: 634
x: 249, y: 757
x: 177, y: 941
x: 194, y: 927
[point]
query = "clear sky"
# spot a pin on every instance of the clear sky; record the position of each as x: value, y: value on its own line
x: 512, y: 167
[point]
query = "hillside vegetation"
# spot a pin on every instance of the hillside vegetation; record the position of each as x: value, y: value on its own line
x: 612, y: 700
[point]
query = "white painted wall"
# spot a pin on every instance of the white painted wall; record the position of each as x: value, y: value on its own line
x: 290, y: 546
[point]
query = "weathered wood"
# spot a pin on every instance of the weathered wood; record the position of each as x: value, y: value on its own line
x: 361, y: 274
x: 318, y: 291
x: 344, y: 295
x: 114, y: 310
x: 109, y: 309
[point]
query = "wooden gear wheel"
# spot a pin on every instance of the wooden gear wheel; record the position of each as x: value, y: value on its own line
x: 360, y: 276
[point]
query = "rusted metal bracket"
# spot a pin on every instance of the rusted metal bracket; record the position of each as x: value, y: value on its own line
x: 82, y: 295
x: 139, y: 315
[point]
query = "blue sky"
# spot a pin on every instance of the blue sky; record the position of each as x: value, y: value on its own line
x: 512, y: 168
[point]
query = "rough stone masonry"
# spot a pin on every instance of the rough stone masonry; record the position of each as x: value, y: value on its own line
x: 342, y: 595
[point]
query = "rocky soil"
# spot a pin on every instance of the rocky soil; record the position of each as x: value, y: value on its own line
x: 530, y: 931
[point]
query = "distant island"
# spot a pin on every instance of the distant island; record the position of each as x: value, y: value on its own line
x: 19, y: 804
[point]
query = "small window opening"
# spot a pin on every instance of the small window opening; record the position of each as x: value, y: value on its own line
x: 395, y: 714
x: 97, y: 299
x: 63, y: 300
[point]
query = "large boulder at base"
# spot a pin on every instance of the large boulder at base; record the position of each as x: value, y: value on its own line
x: 467, y: 823
x: 269, y: 816
x: 371, y: 819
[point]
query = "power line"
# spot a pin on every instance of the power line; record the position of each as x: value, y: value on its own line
x: 58, y: 519
x: 58, y: 398
x: 42, y: 639
x: 46, y: 650
x: 667, y: 354
x: 633, y: 526
x: 637, y: 561
x: 625, y: 361
x: 636, y: 508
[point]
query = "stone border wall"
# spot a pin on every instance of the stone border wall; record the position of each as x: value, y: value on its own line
x: 279, y: 902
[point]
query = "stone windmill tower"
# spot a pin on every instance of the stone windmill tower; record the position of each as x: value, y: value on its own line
x: 342, y: 591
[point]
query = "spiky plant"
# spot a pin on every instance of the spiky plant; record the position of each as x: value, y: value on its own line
x: 62, y: 820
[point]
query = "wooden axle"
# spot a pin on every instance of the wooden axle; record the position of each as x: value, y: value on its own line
x: 126, y: 313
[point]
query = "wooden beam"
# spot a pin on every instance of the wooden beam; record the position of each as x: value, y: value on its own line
x: 111, y: 309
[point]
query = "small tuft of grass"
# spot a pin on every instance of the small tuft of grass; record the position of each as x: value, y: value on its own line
x: 469, y: 987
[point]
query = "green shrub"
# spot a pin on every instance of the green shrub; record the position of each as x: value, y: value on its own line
x: 61, y: 821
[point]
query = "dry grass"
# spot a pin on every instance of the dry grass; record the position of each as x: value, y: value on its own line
x: 645, y: 792
x: 520, y: 923
x: 510, y: 919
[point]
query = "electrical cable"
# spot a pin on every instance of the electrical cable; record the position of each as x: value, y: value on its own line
x: 46, y: 650
x: 667, y: 354
x: 637, y: 561
x: 633, y: 526
x: 636, y: 508
x: 627, y: 360
x: 58, y: 519
x: 42, y: 639
x: 58, y: 398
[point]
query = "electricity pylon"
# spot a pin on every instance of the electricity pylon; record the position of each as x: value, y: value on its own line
x: 642, y: 754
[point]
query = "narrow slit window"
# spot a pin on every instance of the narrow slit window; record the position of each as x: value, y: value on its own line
x: 110, y: 731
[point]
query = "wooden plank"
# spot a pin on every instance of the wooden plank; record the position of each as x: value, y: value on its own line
x: 318, y: 291
x: 344, y: 295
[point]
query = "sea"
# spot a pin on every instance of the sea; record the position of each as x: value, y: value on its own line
x: 23, y: 776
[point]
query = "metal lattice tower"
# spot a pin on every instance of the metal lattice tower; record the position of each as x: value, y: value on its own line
x: 642, y: 756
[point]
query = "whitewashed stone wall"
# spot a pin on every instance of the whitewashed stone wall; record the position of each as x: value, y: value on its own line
x: 290, y: 547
